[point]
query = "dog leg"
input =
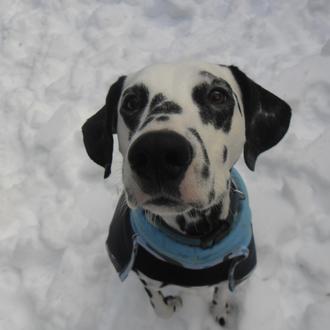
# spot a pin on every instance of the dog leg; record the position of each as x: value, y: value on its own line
x: 222, y: 305
x: 164, y: 306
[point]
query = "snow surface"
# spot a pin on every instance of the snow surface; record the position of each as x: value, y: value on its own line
x: 57, y: 61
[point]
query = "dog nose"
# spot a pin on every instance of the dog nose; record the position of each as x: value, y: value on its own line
x: 161, y: 156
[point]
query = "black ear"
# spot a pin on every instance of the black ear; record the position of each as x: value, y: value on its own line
x: 98, y: 129
x: 267, y: 117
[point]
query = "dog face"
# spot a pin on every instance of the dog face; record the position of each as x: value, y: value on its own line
x: 181, y: 128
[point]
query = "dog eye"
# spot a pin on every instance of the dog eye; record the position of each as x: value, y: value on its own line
x: 131, y: 103
x: 217, y: 96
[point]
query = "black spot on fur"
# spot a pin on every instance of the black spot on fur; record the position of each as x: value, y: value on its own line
x: 222, y: 321
x: 198, y: 228
x: 205, y: 172
x: 166, y: 108
x: 146, y: 122
x: 201, y: 142
x: 157, y: 99
x: 216, y: 289
x: 181, y: 221
x: 214, y: 302
x: 163, y: 109
x: 143, y: 281
x: 224, y: 154
x: 192, y: 213
x: 228, y: 183
x: 219, y: 116
x: 166, y: 299
x: 211, y: 195
x: 148, y: 292
x: 162, y: 118
x: 205, y: 224
x: 132, y: 116
x: 215, y: 212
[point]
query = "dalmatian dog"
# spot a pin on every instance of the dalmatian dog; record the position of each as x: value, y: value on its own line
x: 181, y: 128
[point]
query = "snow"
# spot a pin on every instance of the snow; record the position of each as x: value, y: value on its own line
x: 57, y: 61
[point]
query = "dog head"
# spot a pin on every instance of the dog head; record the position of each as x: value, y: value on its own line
x: 181, y: 128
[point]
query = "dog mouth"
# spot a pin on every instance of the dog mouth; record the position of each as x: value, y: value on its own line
x: 163, y: 205
x: 164, y: 201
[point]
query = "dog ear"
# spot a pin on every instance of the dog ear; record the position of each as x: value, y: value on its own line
x: 267, y: 117
x: 98, y: 129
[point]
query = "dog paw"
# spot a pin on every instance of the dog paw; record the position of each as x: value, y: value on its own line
x: 221, y: 314
x: 168, y: 306
x: 174, y: 302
